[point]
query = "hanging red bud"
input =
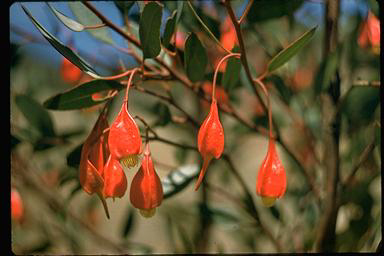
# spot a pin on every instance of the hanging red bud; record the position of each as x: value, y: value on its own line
x: 146, y: 189
x: 271, y: 180
x: 115, y: 183
x: 17, y: 208
x: 210, y: 140
x: 370, y: 33
x: 124, y: 138
x: 93, y: 155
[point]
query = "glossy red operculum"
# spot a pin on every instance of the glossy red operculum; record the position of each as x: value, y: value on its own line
x: 69, y: 72
x: 210, y: 140
x: 17, y: 206
x: 124, y: 138
x: 271, y: 180
x: 146, y: 189
x: 115, y: 181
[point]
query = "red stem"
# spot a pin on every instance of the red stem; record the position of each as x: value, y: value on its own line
x: 237, y: 55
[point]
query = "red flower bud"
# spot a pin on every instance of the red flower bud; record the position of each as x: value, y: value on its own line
x: 17, y: 208
x: 115, y: 183
x: 124, y: 138
x: 93, y: 155
x: 146, y: 189
x: 210, y: 140
x: 271, y: 180
x: 69, y: 72
x: 370, y: 33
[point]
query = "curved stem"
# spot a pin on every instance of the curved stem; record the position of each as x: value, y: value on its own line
x: 264, y: 88
x: 129, y: 83
x: 237, y: 55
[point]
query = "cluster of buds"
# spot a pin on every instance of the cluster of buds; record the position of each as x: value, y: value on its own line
x: 107, y: 150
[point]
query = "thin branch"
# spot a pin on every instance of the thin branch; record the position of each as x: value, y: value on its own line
x: 245, y: 13
x: 366, y: 83
x: 363, y: 157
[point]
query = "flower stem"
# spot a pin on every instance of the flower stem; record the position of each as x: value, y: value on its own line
x: 237, y: 55
x: 129, y: 83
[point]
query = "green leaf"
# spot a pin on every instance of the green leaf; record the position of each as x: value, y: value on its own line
x: 287, y: 53
x: 178, y: 179
x: 130, y: 219
x: 87, y: 18
x: 149, y: 29
x: 73, y: 158
x: 179, y: 10
x: 170, y: 27
x: 163, y: 114
x: 195, y: 59
x: 36, y: 115
x: 68, y: 22
x: 124, y: 6
x: 326, y: 71
x: 232, y: 74
x: 81, y: 96
x: 60, y: 47
x: 262, y: 10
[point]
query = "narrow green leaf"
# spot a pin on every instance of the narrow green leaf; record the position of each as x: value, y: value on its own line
x: 178, y: 179
x: 262, y: 10
x: 232, y: 74
x: 87, y: 18
x: 180, y: 5
x: 81, y: 96
x: 60, y: 47
x: 36, y: 115
x: 170, y: 27
x: 287, y: 53
x: 124, y: 6
x: 149, y: 29
x: 195, y: 58
x: 68, y: 22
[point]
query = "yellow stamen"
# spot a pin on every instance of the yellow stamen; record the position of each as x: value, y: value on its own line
x: 148, y: 213
x: 268, y: 201
x: 130, y: 161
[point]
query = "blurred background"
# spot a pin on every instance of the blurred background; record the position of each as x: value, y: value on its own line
x: 51, y: 214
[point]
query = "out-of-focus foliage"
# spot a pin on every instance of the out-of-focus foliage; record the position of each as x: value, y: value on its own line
x: 50, y: 120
